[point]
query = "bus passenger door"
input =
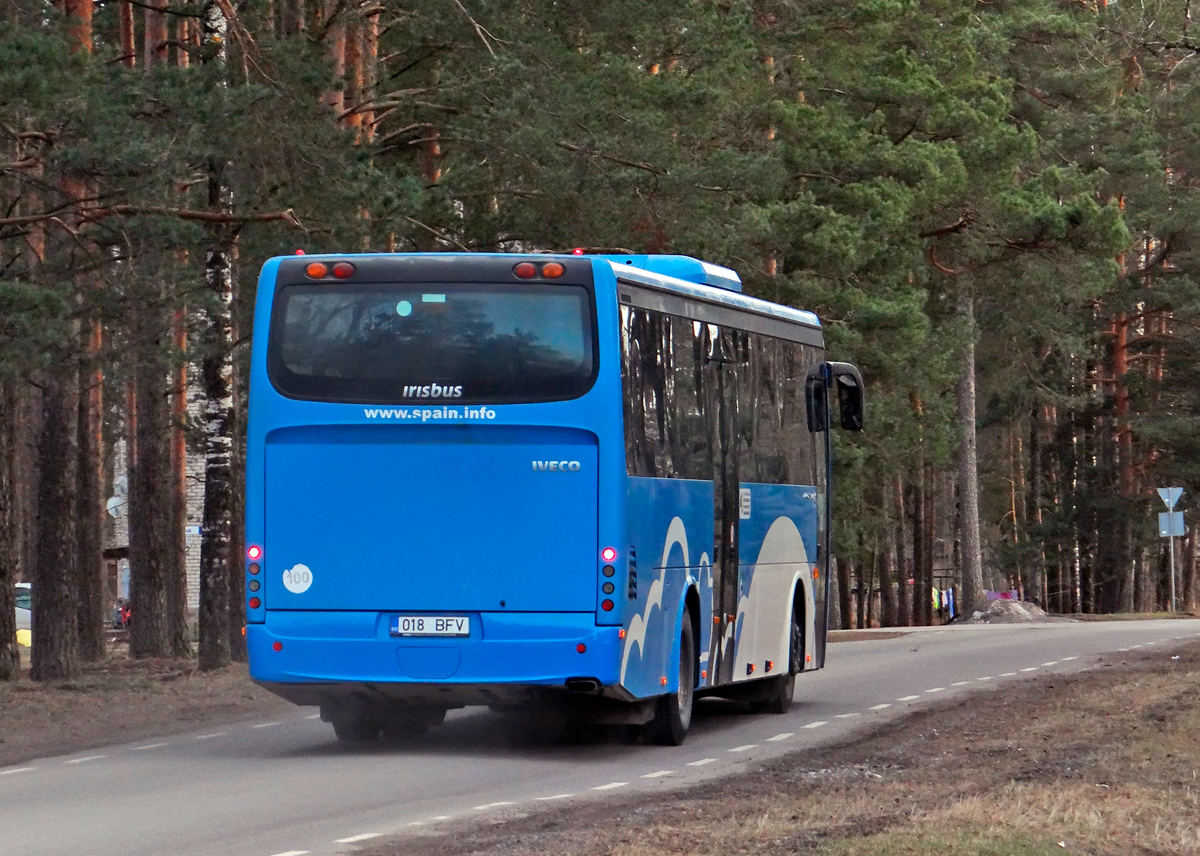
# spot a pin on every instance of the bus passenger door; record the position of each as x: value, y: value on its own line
x: 720, y: 386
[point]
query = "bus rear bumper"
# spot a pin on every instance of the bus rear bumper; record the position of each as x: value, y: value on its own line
x: 319, y: 657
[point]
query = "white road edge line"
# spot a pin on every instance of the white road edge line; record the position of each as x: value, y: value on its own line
x: 784, y: 736
x: 86, y: 758
x: 487, y: 806
x: 658, y: 774
x: 555, y: 797
x: 150, y: 746
x: 354, y: 838
x: 610, y: 786
x: 16, y: 770
x: 701, y: 762
x: 742, y: 748
x: 816, y: 724
x: 880, y: 706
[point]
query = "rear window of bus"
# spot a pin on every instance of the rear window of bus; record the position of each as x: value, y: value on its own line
x: 452, y: 342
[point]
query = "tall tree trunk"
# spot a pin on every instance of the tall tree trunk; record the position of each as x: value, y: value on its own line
x: 914, y: 500
x: 887, y: 575
x: 55, y: 621
x: 90, y: 585
x: 176, y: 583
x: 967, y: 469
x: 845, y: 608
x: 930, y: 495
x: 903, y: 574
x: 10, y: 659
x: 1034, y: 539
x: 217, y: 382
x: 149, y: 486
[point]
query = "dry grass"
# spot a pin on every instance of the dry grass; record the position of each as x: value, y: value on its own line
x: 121, y: 700
x: 1103, y: 763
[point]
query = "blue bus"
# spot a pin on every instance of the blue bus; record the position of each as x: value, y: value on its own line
x: 596, y: 482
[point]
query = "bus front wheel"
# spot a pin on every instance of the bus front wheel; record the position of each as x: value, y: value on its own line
x: 673, y: 712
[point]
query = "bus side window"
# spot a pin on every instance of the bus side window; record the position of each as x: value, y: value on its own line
x: 817, y: 403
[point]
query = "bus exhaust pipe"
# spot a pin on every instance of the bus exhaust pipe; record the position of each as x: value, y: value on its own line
x: 583, y: 686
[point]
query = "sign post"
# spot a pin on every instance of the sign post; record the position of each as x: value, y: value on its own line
x: 1170, y: 524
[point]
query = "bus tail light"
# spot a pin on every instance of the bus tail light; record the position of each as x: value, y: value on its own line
x: 609, y: 554
x: 581, y: 648
x: 343, y: 270
x: 276, y: 646
x: 255, y: 603
x: 525, y: 270
x: 553, y: 270
x: 316, y: 270
x: 254, y: 552
x: 607, y: 605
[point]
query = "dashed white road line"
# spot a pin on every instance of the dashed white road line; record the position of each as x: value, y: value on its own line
x: 987, y: 678
x: 1007, y: 674
x: 353, y: 838
x: 909, y: 698
x: 443, y: 817
x: 610, y: 786
x: 816, y: 724
x: 267, y: 724
x: 784, y: 736
x: 1065, y: 659
x: 1030, y: 669
x: 658, y: 774
x: 936, y: 690
x: 1051, y: 663
x: 16, y: 770
x: 210, y: 737
x: 847, y: 715
x: 960, y: 683
x: 318, y: 716
x: 743, y: 748
x: 701, y: 762
x: 291, y: 853
x: 150, y: 746
x: 86, y: 758
x: 880, y: 706
x: 487, y: 806
x: 555, y: 797
x: 1122, y: 650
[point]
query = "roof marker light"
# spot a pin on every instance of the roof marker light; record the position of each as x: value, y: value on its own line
x: 299, y: 252
x: 609, y: 554
x: 525, y: 270
x: 255, y: 552
x: 578, y: 251
x: 316, y: 270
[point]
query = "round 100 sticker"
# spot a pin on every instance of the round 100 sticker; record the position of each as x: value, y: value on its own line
x: 297, y: 579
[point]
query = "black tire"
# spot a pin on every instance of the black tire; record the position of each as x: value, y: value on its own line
x: 782, y: 687
x: 355, y: 729
x: 673, y: 712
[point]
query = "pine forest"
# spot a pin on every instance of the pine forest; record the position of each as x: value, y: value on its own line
x: 990, y: 205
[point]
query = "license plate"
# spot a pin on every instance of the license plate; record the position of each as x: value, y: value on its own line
x: 431, y: 625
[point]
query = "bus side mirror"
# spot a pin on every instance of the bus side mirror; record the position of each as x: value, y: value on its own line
x: 816, y: 402
x: 849, y: 383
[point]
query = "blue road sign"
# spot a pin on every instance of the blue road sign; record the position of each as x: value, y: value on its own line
x: 1170, y: 524
x: 1170, y: 495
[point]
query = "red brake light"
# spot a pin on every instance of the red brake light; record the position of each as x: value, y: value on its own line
x: 255, y: 603
x: 278, y: 646
x: 255, y: 552
x: 581, y: 648
x: 608, y: 554
x: 607, y: 605
x: 343, y: 270
x: 525, y: 270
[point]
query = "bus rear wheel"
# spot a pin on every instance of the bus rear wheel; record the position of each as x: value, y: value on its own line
x: 673, y: 712
x: 780, y: 689
x: 355, y: 729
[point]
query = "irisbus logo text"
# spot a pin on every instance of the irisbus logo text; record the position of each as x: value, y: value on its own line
x: 433, y: 390
x: 556, y: 466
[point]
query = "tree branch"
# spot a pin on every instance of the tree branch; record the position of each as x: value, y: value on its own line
x: 612, y: 158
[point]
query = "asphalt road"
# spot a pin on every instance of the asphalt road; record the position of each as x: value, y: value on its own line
x: 288, y: 787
